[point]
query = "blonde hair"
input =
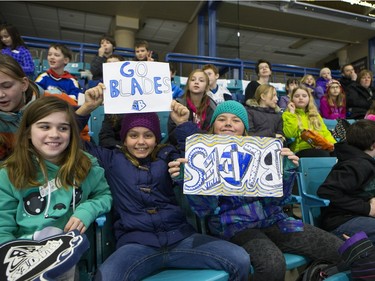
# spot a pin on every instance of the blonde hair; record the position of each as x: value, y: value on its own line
x: 304, y: 78
x: 311, y: 109
x: 263, y: 89
x: 24, y: 163
x: 204, y: 102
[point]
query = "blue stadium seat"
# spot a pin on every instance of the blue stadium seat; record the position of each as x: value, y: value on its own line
x: 330, y: 123
x: 312, y: 173
x: 163, y: 118
x: 75, y: 68
x: 189, y: 275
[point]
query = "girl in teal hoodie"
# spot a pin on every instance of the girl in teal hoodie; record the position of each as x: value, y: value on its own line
x: 49, y: 185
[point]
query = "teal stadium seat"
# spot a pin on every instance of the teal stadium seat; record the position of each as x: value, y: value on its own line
x: 75, y: 68
x: 312, y: 173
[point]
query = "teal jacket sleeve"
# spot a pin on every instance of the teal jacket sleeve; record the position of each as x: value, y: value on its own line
x: 8, y: 208
x: 99, y: 198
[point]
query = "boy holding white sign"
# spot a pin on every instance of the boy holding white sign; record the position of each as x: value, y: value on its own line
x: 258, y: 224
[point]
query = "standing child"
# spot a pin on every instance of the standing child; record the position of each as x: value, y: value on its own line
x: 151, y: 229
x: 107, y: 46
x: 258, y: 224
x: 12, y: 44
x: 332, y: 104
x: 290, y: 85
x: 264, y: 115
x: 56, y: 79
x: 49, y: 185
x: 195, y: 98
x: 217, y: 92
x: 142, y: 52
x: 302, y: 114
x: 321, y: 83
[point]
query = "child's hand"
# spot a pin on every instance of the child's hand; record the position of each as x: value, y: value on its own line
x: 174, y: 167
x: 101, y: 51
x: 291, y: 156
x: 93, y: 99
x: 372, y: 207
x: 180, y: 113
x: 149, y: 56
x: 291, y: 107
x: 75, y: 223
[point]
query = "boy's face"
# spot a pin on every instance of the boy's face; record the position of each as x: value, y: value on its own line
x: 212, y: 77
x: 141, y: 53
x: 56, y: 59
x: 108, y: 47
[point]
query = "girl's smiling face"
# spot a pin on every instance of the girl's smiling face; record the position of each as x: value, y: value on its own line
x: 140, y: 142
x: 198, y: 83
x: 301, y: 98
x: 50, y: 136
x: 228, y: 124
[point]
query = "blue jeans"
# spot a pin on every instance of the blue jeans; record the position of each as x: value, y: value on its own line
x: 366, y: 224
x: 133, y: 262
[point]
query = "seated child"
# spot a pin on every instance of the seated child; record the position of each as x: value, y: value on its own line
x: 321, y: 84
x: 56, y: 80
x: 264, y: 115
x: 332, y: 104
x: 217, y: 92
x: 301, y: 115
x: 290, y: 85
x: 350, y: 184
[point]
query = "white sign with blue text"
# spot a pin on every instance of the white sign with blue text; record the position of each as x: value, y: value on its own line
x: 233, y: 166
x: 136, y: 86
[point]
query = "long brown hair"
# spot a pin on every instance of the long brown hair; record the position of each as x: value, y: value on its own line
x: 205, y: 99
x: 9, y: 66
x: 25, y: 162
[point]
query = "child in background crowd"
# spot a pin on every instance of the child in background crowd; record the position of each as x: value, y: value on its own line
x: 49, y: 185
x: 195, y: 98
x: 290, y: 85
x: 56, y: 80
x: 258, y: 224
x: 115, y: 58
x: 332, y: 104
x: 302, y: 114
x: 11, y: 43
x: 107, y: 46
x: 264, y: 115
x: 142, y: 52
x: 321, y: 84
x: 217, y: 92
x: 151, y: 229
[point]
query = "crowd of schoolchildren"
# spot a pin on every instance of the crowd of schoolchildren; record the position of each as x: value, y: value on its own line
x: 54, y: 179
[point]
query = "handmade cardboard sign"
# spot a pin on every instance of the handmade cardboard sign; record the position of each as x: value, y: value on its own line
x: 233, y: 166
x: 41, y: 260
x: 136, y: 86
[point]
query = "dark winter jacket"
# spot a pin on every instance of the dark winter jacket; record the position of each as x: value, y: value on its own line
x: 143, y: 198
x: 96, y: 68
x: 349, y: 186
x: 358, y: 100
x: 264, y: 121
x: 109, y: 136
